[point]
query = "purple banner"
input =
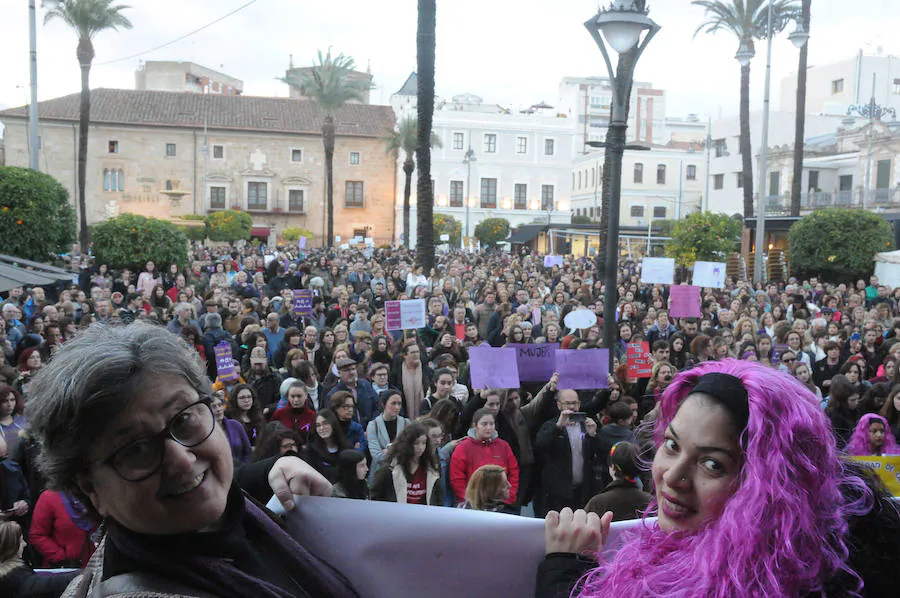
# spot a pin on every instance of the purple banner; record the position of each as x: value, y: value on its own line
x: 583, y: 369
x: 225, y: 362
x: 493, y: 368
x: 536, y: 363
x: 303, y: 302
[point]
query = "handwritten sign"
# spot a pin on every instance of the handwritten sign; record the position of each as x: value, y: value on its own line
x: 225, y: 362
x: 887, y: 468
x: 637, y: 356
x: 536, y: 363
x: 405, y: 315
x: 658, y: 270
x: 582, y: 369
x: 553, y: 260
x: 684, y: 301
x: 493, y: 368
x: 709, y: 274
x: 303, y: 302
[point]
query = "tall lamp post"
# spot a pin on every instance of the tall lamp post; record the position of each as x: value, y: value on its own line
x: 621, y: 26
x: 871, y: 112
x: 468, y: 159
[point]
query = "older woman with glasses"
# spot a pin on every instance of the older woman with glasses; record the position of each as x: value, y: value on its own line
x: 124, y: 418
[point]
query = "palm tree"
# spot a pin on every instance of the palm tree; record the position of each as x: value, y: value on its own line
x: 405, y: 138
x: 328, y: 85
x: 747, y: 20
x: 425, y: 44
x: 800, y: 123
x: 87, y: 18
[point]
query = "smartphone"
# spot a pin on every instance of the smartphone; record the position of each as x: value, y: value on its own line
x: 577, y: 416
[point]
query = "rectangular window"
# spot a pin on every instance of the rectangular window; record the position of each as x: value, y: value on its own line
x: 883, y: 174
x: 217, y: 198
x: 257, y: 195
x: 837, y: 86
x: 774, y: 183
x: 113, y: 179
x: 296, y: 155
x: 456, y: 194
x: 113, y: 147
x: 488, y: 193
x: 218, y: 152
x: 659, y: 211
x: 521, y: 145
x: 639, y: 173
x: 354, y: 158
x: 170, y: 150
x: 547, y: 200
x: 691, y: 174
x: 549, y: 147
x: 490, y: 143
x: 661, y: 174
x: 719, y: 181
x: 520, y: 196
x: 637, y: 211
x: 459, y: 141
x: 740, y: 180
x: 719, y: 147
x: 353, y: 197
x: 295, y: 200
x: 896, y: 87
x: 813, y: 182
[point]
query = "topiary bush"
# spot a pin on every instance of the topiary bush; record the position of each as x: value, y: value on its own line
x: 492, y: 231
x: 36, y: 218
x: 131, y: 241
x: 838, y: 244
x: 229, y: 226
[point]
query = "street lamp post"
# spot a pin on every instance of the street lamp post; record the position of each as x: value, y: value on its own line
x: 872, y: 112
x: 759, y: 265
x: 621, y: 26
x: 467, y: 160
x: 33, y: 139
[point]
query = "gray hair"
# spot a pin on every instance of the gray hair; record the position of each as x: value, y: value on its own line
x: 90, y: 381
x: 213, y: 321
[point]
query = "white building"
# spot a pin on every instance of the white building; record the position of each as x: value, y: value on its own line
x: 521, y: 167
x: 175, y: 75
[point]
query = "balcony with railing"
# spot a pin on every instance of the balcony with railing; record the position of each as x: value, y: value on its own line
x: 780, y: 205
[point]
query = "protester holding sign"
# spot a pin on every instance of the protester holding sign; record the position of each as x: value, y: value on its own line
x: 872, y: 437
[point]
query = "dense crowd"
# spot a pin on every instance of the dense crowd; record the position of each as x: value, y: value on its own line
x: 392, y: 415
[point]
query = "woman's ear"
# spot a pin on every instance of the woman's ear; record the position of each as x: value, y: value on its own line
x: 88, y: 489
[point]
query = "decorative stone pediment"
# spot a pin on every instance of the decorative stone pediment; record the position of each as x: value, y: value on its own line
x: 296, y: 180
x: 264, y: 173
x: 218, y: 178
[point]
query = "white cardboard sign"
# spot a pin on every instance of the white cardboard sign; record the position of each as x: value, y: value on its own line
x: 709, y: 274
x: 658, y: 270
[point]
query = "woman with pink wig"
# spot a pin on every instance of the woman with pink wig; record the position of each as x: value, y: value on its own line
x: 872, y: 438
x: 752, y: 499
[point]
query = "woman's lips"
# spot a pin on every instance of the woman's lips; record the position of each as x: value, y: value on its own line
x: 674, y: 508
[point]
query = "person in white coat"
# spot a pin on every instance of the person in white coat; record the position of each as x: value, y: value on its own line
x: 384, y: 429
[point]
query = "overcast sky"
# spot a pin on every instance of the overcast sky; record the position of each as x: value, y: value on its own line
x: 510, y: 52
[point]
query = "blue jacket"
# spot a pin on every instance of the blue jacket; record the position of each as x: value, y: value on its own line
x: 366, y: 400
x: 16, y: 486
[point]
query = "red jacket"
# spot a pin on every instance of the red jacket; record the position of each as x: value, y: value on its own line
x: 55, y: 535
x: 472, y: 454
x: 301, y: 421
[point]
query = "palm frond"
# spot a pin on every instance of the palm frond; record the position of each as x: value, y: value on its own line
x: 89, y: 17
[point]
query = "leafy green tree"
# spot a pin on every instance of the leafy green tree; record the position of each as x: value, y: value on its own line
x: 131, y: 241
x: 329, y: 86
x: 492, y: 231
x: 581, y: 220
x: 293, y: 233
x: 195, y: 233
x: 703, y: 236
x: 86, y: 18
x: 36, y: 218
x: 404, y: 138
x: 444, y: 224
x: 229, y: 225
x: 838, y: 244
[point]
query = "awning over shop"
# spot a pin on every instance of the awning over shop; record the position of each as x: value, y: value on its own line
x: 15, y: 272
x: 525, y: 233
x: 260, y: 231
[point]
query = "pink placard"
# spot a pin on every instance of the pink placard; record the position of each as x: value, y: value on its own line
x: 684, y: 301
x: 393, y: 318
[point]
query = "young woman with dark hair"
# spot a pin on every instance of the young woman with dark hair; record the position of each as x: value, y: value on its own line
x: 244, y: 408
x: 843, y: 408
x: 411, y: 472
x: 326, y: 442
x: 351, y: 476
x: 891, y: 412
x: 622, y: 496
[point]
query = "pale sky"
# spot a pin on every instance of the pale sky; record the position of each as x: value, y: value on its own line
x: 510, y: 52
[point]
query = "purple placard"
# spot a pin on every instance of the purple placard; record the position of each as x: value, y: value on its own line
x: 536, y: 363
x: 225, y: 362
x: 303, y: 302
x: 684, y: 301
x: 301, y: 243
x: 582, y: 369
x: 493, y: 368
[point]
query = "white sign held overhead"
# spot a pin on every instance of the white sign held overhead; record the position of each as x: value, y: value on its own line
x: 658, y: 270
x: 580, y: 319
x: 709, y: 274
x: 445, y: 237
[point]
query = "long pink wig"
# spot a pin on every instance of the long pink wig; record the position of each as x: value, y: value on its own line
x: 859, y: 442
x: 781, y: 533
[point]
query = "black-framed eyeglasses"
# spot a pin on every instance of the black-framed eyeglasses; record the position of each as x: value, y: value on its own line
x: 141, y: 458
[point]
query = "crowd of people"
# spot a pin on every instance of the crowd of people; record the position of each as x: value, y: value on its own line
x: 392, y: 415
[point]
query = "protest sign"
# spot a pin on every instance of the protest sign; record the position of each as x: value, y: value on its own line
x: 580, y: 319
x: 887, y: 468
x: 658, y: 270
x: 536, y: 363
x: 225, y: 362
x: 303, y: 302
x: 637, y: 356
x: 405, y: 315
x: 709, y: 274
x: 493, y: 368
x: 445, y: 237
x: 553, y: 260
x: 684, y: 301
x: 581, y: 369
x: 779, y: 349
x: 301, y: 243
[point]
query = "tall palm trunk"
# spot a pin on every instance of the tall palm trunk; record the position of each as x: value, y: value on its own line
x: 800, y: 123
x: 85, y: 54
x: 425, y: 42
x: 408, y: 167
x: 745, y: 147
x: 328, y: 141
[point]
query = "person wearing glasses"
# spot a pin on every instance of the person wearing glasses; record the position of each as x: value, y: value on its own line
x: 343, y: 405
x: 124, y: 418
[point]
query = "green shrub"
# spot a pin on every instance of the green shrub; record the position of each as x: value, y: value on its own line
x: 195, y: 233
x: 229, y: 226
x: 36, y: 218
x: 492, y: 231
x: 131, y: 241
x: 293, y: 233
x: 703, y: 236
x: 444, y: 224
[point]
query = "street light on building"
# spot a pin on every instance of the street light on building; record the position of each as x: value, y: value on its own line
x: 872, y: 112
x: 622, y: 26
x: 468, y: 159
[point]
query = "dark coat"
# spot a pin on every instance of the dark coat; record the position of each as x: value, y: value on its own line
x: 553, y: 448
x: 622, y: 498
x: 17, y: 580
x: 213, y: 337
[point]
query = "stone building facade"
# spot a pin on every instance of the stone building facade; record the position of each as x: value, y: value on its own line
x: 167, y: 155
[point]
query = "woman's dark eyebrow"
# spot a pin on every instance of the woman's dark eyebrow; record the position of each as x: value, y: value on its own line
x: 705, y: 449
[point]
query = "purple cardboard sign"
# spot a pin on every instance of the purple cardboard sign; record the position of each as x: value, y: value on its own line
x: 536, y: 363
x: 301, y: 243
x: 684, y: 301
x: 493, y: 368
x: 582, y: 369
x: 225, y: 362
x: 303, y: 302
